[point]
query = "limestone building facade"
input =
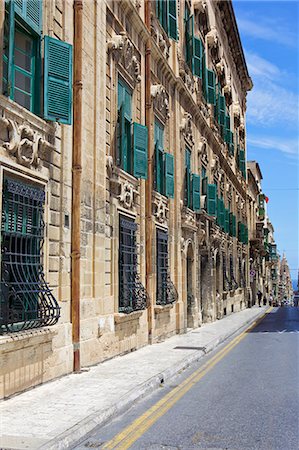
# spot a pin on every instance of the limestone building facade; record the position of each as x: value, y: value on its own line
x: 123, y: 178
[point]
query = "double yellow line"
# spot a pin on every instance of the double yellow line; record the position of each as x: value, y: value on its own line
x: 136, y: 429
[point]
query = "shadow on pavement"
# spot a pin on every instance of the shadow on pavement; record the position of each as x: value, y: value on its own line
x: 280, y: 320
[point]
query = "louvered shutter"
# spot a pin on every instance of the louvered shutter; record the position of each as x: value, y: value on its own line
x: 58, y: 81
x: 227, y: 129
x: 221, y: 112
x: 196, y: 192
x: 242, y: 164
x: 211, y: 199
x: 31, y: 13
x: 197, y: 57
x: 231, y: 232
x: 211, y: 94
x: 169, y: 175
x: 140, y: 139
x: 120, y: 135
x: 190, y: 42
x: 226, y: 224
x: 172, y: 19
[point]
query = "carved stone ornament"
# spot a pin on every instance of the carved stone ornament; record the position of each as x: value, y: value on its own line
x: 22, y: 142
x: 212, y: 37
x: 188, y: 218
x: 214, y: 252
x: 159, y: 36
x: 126, y: 54
x: 237, y: 113
x: 127, y: 195
x: 220, y: 68
x: 160, y: 100
x: 228, y: 91
x: 216, y: 237
x: 201, y: 236
x: 161, y: 210
x: 186, y: 128
x: 200, y: 6
x: 185, y: 73
x: 202, y: 146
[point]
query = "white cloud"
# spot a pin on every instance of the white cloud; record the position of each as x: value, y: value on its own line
x: 289, y: 146
x: 260, y: 67
x: 269, y: 31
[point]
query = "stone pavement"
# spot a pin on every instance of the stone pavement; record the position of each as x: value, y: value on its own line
x: 57, y: 414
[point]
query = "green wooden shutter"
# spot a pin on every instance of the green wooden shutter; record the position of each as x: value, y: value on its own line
x: 190, y: 42
x: 227, y: 129
x: 234, y: 226
x: 226, y: 224
x: 58, y: 81
x: 221, y: 111
x: 205, y: 186
x: 172, y: 20
x: 169, y: 175
x: 240, y: 231
x: 231, y: 232
x: 31, y: 13
x: 120, y: 135
x: 197, y: 57
x: 196, y: 192
x: 242, y: 163
x: 140, y: 139
x: 211, y: 199
x: 222, y: 214
x: 211, y: 93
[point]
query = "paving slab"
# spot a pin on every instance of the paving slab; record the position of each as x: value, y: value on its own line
x: 57, y: 414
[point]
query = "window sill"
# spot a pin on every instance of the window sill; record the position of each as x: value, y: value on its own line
x: 123, y: 318
x: 17, y: 112
x: 27, y: 338
x: 158, y: 309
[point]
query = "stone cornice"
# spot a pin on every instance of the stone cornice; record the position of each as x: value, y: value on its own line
x: 233, y: 36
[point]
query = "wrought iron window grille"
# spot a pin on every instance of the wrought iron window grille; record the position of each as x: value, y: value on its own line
x: 226, y: 281
x: 132, y: 294
x: 166, y: 292
x: 242, y: 274
x: 233, y: 283
x: 26, y: 299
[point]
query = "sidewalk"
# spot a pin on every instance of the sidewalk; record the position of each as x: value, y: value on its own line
x: 57, y: 414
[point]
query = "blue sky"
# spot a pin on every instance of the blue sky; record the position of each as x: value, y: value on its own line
x: 270, y: 38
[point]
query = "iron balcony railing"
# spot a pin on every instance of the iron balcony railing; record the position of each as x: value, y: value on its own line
x: 26, y: 300
x: 166, y: 292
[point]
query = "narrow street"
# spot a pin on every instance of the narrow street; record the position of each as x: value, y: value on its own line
x: 243, y: 396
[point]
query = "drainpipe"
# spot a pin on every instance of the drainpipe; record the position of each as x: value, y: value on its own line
x: 76, y: 182
x: 149, y: 181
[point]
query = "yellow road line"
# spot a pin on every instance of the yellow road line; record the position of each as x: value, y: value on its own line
x: 139, y: 426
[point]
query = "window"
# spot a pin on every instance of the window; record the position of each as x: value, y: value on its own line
x: 164, y: 164
x: 22, y: 63
x: 132, y: 295
x: 166, y: 292
x: 188, y: 178
x: 162, y: 267
x: 132, y: 138
x: 167, y: 15
x: 124, y: 106
x: 26, y: 301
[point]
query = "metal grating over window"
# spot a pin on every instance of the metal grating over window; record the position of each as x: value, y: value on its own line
x: 242, y: 273
x: 132, y: 294
x: 26, y: 300
x: 166, y: 291
x: 233, y: 283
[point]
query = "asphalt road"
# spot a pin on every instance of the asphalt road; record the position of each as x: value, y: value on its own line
x: 245, y: 395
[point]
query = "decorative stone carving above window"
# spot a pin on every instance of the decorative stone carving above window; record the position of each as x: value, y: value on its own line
x: 125, y: 54
x: 203, y: 151
x: 160, y: 100
x: 188, y: 218
x: 186, y: 129
x: 237, y: 114
x: 127, y: 195
x: 185, y: 73
x: 212, y: 37
x: 229, y: 191
x: 161, y: 209
x: 220, y: 69
x: 227, y: 89
x: 200, y: 6
x: 159, y: 36
x: 242, y: 128
x: 26, y: 145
